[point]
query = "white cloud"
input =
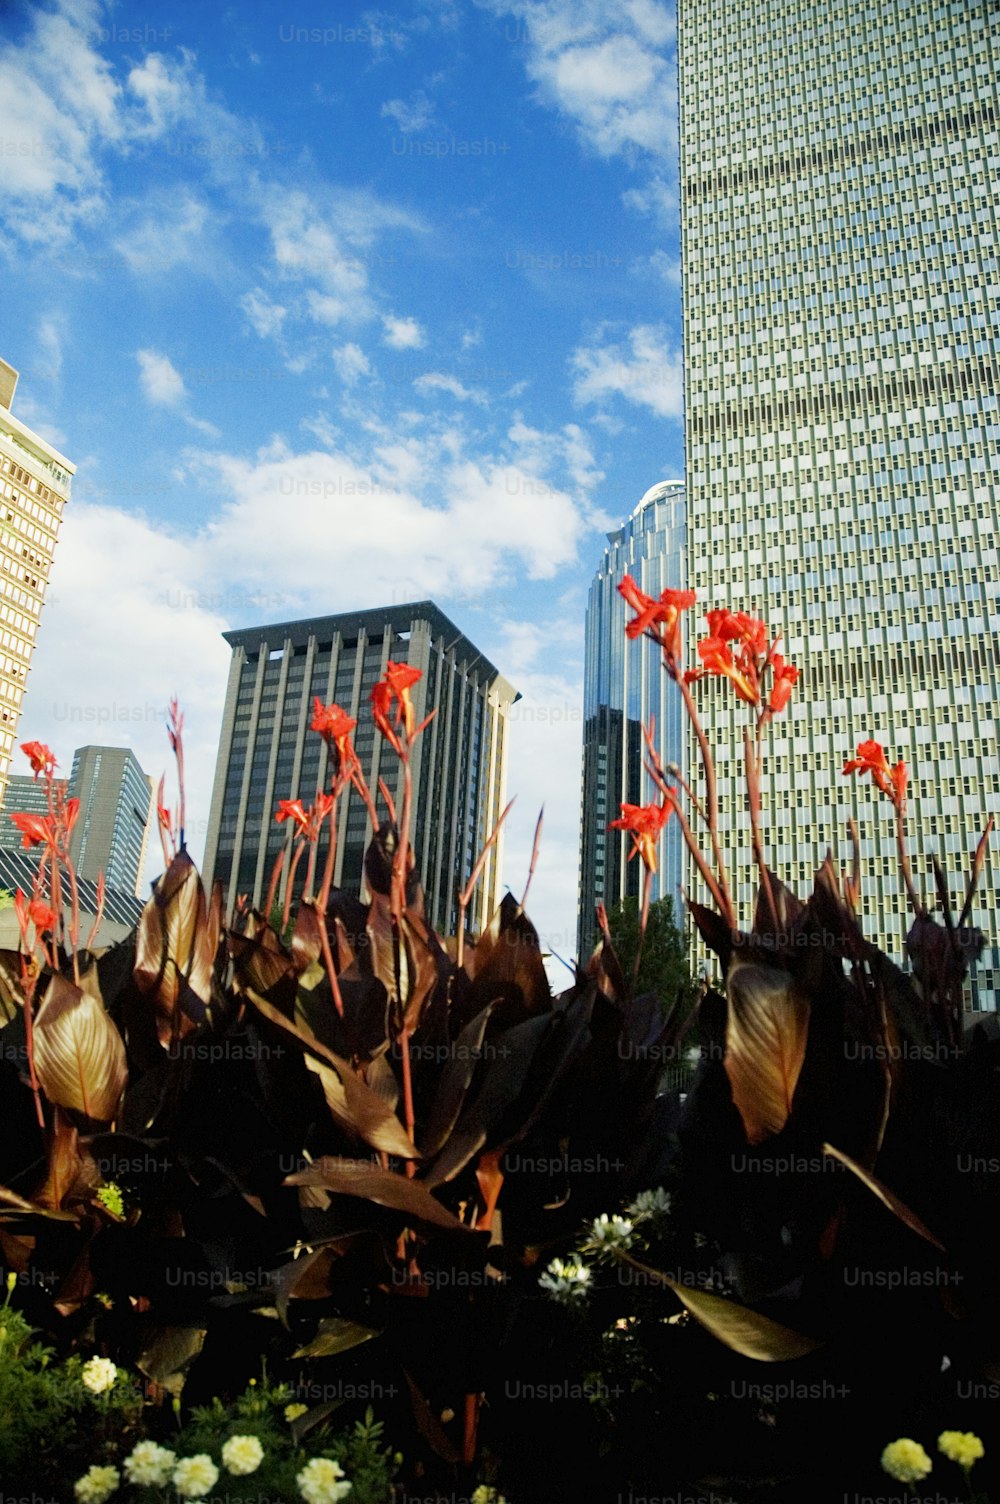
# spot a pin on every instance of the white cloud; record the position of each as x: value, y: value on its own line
x: 117, y: 642
x: 435, y: 381
x: 657, y: 198
x: 162, y: 383
x: 611, y: 71
x: 546, y: 737
x: 646, y: 372
x: 266, y: 316
x: 667, y: 266
x: 414, y: 114
x: 402, y: 334
x: 163, y: 386
x: 351, y: 363
x: 59, y: 105
x: 167, y: 229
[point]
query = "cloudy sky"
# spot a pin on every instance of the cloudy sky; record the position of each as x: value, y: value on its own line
x: 259, y: 260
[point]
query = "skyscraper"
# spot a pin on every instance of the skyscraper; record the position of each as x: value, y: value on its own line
x: 842, y: 340
x: 625, y: 686
x: 267, y: 752
x: 112, y: 829
x: 116, y: 809
x: 34, y: 487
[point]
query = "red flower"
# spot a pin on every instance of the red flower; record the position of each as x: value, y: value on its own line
x: 36, y: 830
x: 70, y: 811
x: 399, y: 679
x: 784, y: 676
x: 36, y: 911
x: 717, y: 656
x: 40, y: 756
x: 291, y: 809
x: 872, y: 759
x: 335, y: 726
x: 664, y: 612
x: 738, y: 626
x: 307, y: 821
x: 644, y: 822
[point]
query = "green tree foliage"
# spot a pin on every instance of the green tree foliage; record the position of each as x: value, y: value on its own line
x: 665, y: 967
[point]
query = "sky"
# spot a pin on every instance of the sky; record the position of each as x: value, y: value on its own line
x: 259, y: 261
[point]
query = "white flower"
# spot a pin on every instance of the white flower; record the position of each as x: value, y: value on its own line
x: 649, y: 1204
x: 97, y: 1484
x: 150, y: 1464
x: 242, y: 1454
x: 610, y: 1232
x: 565, y: 1279
x: 486, y: 1495
x: 99, y: 1374
x: 195, y: 1476
x: 320, y: 1481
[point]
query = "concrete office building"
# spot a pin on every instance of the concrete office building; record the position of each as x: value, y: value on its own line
x: 268, y: 753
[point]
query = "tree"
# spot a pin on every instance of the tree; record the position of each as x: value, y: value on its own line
x: 665, y: 967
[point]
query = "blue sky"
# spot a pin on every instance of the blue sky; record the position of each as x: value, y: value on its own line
x: 259, y: 262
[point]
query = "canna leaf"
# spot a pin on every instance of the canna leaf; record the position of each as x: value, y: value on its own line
x: 744, y: 1331
x: 887, y: 1197
x: 176, y: 942
x: 79, y: 1054
x: 767, y: 1027
x: 370, y: 1183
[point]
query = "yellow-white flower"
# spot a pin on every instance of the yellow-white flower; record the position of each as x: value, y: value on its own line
x: 320, y: 1481
x: 195, y: 1476
x: 486, y: 1495
x: 242, y: 1454
x: 98, y: 1374
x: 906, y: 1461
x: 292, y: 1412
x: 963, y: 1447
x: 150, y: 1464
x: 97, y: 1484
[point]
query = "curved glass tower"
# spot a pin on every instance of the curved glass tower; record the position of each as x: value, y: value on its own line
x: 625, y: 686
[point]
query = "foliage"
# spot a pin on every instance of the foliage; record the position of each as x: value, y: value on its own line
x: 664, y: 967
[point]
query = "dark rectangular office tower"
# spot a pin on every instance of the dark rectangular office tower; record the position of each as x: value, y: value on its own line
x: 268, y: 753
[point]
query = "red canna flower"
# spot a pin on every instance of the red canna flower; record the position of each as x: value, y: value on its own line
x: 381, y: 698
x: 36, y: 830
x: 40, y: 756
x: 291, y: 809
x: 71, y: 810
x: 34, y: 911
x: 784, y: 676
x: 644, y: 822
x: 400, y: 678
x: 335, y: 726
x: 872, y: 759
x: 717, y: 656
x: 738, y: 626
x: 664, y: 613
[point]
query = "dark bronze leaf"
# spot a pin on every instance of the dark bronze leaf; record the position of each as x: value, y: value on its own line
x: 370, y: 1183
x: 745, y: 1331
x: 887, y: 1197
x: 176, y: 943
x: 767, y: 1027
x: 79, y: 1054
x: 336, y: 1335
x: 454, y: 1082
x: 354, y: 1105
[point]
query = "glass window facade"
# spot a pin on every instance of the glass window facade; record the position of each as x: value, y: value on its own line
x: 625, y: 687
x: 842, y: 349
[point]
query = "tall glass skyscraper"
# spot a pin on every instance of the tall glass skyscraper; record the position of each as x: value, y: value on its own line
x: 624, y: 687
x: 268, y: 753
x: 839, y: 212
